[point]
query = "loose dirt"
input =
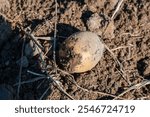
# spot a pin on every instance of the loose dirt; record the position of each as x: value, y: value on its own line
x: 127, y: 36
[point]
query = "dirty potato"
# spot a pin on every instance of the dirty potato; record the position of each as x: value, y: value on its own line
x: 81, y: 52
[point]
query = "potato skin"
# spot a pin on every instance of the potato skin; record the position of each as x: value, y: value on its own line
x: 81, y: 52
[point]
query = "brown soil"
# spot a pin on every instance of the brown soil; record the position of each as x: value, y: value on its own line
x: 127, y: 36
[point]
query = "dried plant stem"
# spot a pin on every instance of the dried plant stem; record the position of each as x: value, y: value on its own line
x: 40, y: 84
x: 113, y: 16
x: 44, y: 38
x: 20, y: 70
x: 30, y: 81
x: 55, y: 34
x: 44, y: 93
x: 121, y: 71
x: 122, y: 47
x: 117, y: 9
x: 36, y: 74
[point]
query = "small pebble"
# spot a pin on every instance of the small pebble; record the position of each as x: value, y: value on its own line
x: 31, y: 49
x: 94, y: 22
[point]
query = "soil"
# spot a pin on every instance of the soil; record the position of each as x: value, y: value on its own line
x: 127, y: 35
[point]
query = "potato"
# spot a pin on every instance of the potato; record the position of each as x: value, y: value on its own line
x: 81, y: 52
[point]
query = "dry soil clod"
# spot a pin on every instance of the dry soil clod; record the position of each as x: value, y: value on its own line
x: 4, y: 5
x: 81, y: 52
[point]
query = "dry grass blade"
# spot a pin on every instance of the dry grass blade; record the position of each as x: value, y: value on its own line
x: 36, y: 74
x: 117, y: 9
x: 56, y: 84
x: 121, y: 71
x: 44, y: 93
x: 113, y: 16
x: 39, y: 85
x: 44, y: 38
x: 30, y: 81
x: 55, y: 34
x: 122, y: 47
x: 40, y: 48
x: 20, y: 70
x: 136, y: 86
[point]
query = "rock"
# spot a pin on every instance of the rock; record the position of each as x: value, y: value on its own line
x: 24, y: 61
x: 94, y: 22
x: 81, y: 52
x: 31, y: 49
